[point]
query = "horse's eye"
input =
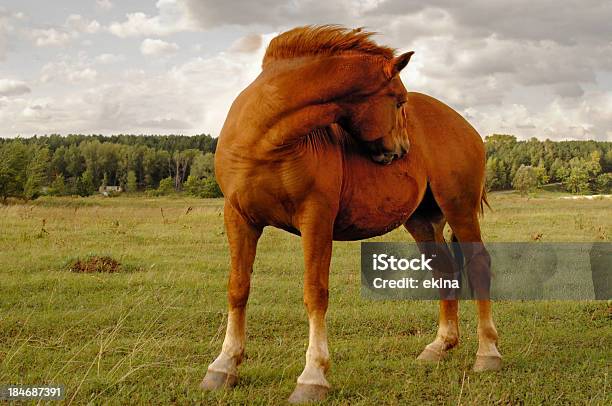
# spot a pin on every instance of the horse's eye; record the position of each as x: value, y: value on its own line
x: 400, y: 104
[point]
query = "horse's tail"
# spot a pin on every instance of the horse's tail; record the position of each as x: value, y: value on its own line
x: 484, y: 201
x: 459, y: 262
x: 457, y: 253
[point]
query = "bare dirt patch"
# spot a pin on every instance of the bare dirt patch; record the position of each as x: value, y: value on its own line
x: 97, y: 264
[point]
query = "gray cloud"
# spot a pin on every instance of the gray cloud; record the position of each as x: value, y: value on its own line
x: 269, y: 13
x: 526, y: 42
x: 568, y: 23
x: 5, y: 27
x: 104, y: 5
x: 10, y: 87
x: 3, y: 44
x: 165, y: 124
x: 571, y: 90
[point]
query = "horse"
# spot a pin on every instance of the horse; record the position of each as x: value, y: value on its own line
x: 327, y: 143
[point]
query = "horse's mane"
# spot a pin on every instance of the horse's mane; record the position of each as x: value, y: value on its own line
x: 333, y: 134
x: 323, y: 40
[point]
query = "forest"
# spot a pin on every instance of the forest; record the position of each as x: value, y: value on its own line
x: 159, y: 165
x: 583, y: 167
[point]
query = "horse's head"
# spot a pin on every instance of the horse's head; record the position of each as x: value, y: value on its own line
x: 376, y: 117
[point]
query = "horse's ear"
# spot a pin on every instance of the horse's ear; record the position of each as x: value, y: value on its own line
x: 399, y: 62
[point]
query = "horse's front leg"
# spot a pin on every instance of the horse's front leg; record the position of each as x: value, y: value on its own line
x: 316, y: 228
x: 242, y: 237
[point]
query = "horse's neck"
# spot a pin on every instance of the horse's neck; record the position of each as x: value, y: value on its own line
x: 292, y: 97
x: 318, y: 79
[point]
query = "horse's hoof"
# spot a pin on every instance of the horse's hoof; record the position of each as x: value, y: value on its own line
x: 429, y: 356
x: 308, y: 393
x: 218, y: 380
x: 487, y: 363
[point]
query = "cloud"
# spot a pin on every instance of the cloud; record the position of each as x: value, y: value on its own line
x: 51, y: 36
x: 485, y: 71
x: 171, y: 18
x: 571, y: 90
x: 521, y: 19
x: 482, y: 55
x: 190, y: 97
x: 10, y: 28
x: 587, y: 117
x: 73, y: 27
x: 10, y: 87
x: 4, y: 29
x: 165, y: 124
x: 108, y: 58
x: 195, y: 15
x: 532, y: 68
x: 271, y: 13
x: 67, y: 71
x: 249, y: 43
x: 36, y: 112
x: 104, y: 4
x: 157, y: 47
x: 3, y: 43
x: 78, y: 23
x: 138, y: 24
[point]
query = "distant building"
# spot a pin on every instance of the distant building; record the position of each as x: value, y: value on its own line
x: 106, y: 190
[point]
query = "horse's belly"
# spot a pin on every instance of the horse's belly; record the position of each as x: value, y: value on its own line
x: 360, y: 229
x: 377, y: 199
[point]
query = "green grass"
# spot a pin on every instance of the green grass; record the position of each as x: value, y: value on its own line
x: 147, y: 336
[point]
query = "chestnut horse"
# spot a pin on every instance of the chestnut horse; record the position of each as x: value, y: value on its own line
x: 303, y: 148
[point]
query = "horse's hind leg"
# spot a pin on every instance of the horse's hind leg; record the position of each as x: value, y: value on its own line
x: 478, y: 262
x: 242, y: 237
x: 429, y: 228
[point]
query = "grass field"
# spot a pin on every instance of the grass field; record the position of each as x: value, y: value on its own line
x: 147, y: 336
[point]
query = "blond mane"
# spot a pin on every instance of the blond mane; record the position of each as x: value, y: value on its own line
x: 323, y: 40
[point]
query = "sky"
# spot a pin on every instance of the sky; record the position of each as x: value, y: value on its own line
x: 532, y: 68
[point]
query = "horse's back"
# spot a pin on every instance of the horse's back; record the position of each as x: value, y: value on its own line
x: 440, y: 131
x: 451, y: 150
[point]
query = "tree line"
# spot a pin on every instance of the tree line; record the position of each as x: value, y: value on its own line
x: 79, y: 164
x: 576, y: 166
